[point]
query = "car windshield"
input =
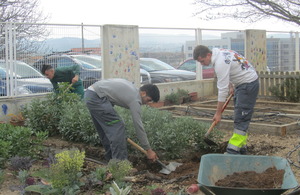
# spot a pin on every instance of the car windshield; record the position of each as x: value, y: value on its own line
x: 190, y: 65
x: 23, y: 70
x: 94, y: 60
x: 86, y: 65
x: 154, y: 65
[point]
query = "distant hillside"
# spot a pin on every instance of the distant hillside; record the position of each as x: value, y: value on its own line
x: 148, y: 42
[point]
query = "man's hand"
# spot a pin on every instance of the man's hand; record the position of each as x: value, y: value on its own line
x: 151, y: 155
x: 75, y: 79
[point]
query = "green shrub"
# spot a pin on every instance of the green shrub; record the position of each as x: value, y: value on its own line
x: 288, y: 91
x: 177, y: 97
x: 20, y: 141
x: 44, y: 115
x: 76, y: 124
x: 169, y: 136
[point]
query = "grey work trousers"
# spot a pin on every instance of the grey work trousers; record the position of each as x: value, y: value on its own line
x: 244, y: 101
x: 109, y: 125
x: 245, y: 96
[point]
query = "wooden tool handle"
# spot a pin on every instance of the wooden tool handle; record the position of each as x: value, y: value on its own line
x: 137, y: 146
x: 223, y: 108
x: 145, y: 152
x: 227, y: 102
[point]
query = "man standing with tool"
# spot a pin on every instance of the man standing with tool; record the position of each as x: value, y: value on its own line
x: 68, y: 74
x: 234, y: 75
x: 100, y: 99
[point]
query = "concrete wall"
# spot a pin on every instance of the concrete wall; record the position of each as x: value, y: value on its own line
x: 203, y: 88
x: 13, y: 105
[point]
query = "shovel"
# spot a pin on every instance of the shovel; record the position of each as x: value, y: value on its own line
x: 167, y: 169
x: 209, y: 141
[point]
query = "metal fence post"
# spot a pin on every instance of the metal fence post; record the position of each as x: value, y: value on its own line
x: 297, y: 51
x: 199, y: 75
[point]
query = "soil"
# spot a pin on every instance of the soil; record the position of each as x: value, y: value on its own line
x: 147, y: 174
x: 269, y: 179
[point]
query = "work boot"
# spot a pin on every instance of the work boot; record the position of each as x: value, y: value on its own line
x: 243, y: 150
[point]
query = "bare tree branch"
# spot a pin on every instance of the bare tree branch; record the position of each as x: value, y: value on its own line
x: 25, y: 14
x: 249, y: 10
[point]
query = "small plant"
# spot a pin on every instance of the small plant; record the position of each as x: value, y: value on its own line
x: 177, y: 97
x: 66, y: 172
x: 116, y: 190
x: 23, y: 177
x: 21, y: 163
x: 119, y: 168
x: 158, y: 191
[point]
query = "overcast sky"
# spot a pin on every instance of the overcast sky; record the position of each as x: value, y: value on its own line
x: 144, y: 13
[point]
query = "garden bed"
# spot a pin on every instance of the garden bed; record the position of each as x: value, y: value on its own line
x: 147, y: 174
x: 277, y: 118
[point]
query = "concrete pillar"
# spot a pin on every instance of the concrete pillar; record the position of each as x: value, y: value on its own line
x: 120, y: 56
x: 256, y: 48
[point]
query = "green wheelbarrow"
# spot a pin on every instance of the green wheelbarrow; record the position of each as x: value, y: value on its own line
x: 214, y: 167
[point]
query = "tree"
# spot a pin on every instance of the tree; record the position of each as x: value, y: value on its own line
x: 249, y: 11
x: 25, y: 15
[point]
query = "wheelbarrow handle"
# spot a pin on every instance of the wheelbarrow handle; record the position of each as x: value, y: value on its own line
x: 295, y: 192
x: 145, y: 152
x: 223, y: 108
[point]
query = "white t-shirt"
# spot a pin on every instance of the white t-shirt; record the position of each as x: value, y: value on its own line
x: 231, y: 67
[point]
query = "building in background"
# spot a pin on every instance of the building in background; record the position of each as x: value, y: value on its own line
x: 280, y: 51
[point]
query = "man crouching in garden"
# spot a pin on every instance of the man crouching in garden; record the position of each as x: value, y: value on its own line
x: 100, y: 99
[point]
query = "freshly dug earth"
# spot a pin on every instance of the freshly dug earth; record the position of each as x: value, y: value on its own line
x: 269, y: 179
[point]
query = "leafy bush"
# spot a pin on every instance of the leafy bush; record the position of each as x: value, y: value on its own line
x: 20, y: 141
x: 177, y: 97
x: 76, y: 124
x: 288, y: 91
x: 44, y: 115
x: 169, y: 136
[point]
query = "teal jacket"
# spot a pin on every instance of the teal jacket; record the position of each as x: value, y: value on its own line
x: 66, y: 74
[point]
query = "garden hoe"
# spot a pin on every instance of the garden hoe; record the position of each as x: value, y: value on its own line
x: 167, y: 169
x: 206, y: 139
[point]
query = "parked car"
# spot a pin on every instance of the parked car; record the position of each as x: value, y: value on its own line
x: 96, y: 61
x: 190, y: 65
x: 161, y: 72
x: 28, y: 79
x: 89, y: 73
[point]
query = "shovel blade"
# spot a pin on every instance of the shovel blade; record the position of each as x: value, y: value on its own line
x: 170, y: 167
x: 210, y: 142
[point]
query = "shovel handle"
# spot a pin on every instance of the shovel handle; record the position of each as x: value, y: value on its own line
x: 223, y: 108
x: 68, y: 88
x: 145, y: 152
x: 137, y: 146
